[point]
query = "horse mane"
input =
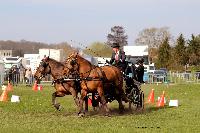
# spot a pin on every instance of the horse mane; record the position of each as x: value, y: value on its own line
x: 58, y: 64
x: 84, y: 60
x: 77, y: 56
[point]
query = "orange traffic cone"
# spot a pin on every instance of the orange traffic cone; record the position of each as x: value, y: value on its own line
x: 35, y: 86
x: 9, y: 87
x: 161, y: 100
x: 151, y: 97
x: 4, y: 96
x: 40, y: 88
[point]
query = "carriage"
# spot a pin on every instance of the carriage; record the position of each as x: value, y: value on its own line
x: 79, y: 75
x: 132, y: 89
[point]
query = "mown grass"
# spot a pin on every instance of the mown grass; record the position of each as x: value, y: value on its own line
x: 35, y: 114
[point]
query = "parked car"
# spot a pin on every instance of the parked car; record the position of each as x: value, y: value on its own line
x: 197, y: 74
x: 159, y: 76
x: 164, y: 69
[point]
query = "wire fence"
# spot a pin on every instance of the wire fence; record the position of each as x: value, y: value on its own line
x: 157, y: 78
x: 175, y: 77
x: 171, y: 77
x: 20, y: 79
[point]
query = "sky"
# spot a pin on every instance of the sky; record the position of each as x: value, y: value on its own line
x: 87, y: 21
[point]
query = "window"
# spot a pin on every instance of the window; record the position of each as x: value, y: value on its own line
x: 28, y: 62
x: 151, y: 68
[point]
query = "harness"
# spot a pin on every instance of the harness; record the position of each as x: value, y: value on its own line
x: 76, y: 76
x: 44, y: 65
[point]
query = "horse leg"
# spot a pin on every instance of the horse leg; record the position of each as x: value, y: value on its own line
x: 54, y: 103
x: 121, y: 106
x: 86, y: 103
x: 74, y: 95
x: 123, y: 95
x: 95, y: 102
x: 103, y: 100
x: 129, y: 105
x: 83, y: 95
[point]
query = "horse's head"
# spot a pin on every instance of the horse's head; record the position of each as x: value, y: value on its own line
x: 71, y: 64
x: 43, y: 69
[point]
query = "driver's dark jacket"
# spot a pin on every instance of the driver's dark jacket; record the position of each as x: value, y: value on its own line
x: 121, y: 58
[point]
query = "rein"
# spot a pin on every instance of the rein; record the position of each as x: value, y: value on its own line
x: 78, y: 75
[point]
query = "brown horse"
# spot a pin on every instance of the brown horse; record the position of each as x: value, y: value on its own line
x: 95, y: 79
x: 55, y: 68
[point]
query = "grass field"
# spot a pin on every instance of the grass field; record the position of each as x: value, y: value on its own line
x: 36, y: 114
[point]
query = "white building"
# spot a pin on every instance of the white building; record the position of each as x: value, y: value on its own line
x: 101, y: 61
x: 12, y: 61
x: 56, y: 54
x: 136, y: 52
x: 32, y: 61
x: 2, y: 70
x: 6, y: 53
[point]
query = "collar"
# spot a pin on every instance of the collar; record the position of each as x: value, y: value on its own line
x: 117, y: 52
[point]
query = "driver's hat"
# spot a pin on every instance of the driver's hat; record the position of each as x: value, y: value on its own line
x: 115, y: 45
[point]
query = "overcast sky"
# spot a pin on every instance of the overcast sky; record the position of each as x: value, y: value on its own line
x: 86, y: 21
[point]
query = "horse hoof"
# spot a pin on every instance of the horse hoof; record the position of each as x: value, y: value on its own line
x: 107, y: 115
x: 139, y: 109
x: 95, y: 109
x: 57, y: 106
x: 81, y: 115
x: 121, y: 112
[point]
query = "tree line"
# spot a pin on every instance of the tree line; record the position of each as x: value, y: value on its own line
x: 184, y: 55
x: 28, y: 47
x: 164, y: 50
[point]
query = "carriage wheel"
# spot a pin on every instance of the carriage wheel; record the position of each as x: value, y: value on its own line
x: 142, y: 100
x: 131, y: 96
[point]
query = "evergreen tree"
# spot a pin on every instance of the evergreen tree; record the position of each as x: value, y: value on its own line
x: 117, y: 35
x: 164, y: 54
x: 180, y: 51
x: 194, y: 50
x: 153, y: 37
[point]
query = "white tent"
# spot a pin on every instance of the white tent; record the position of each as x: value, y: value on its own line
x: 136, y: 50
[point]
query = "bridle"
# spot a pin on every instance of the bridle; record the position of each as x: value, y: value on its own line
x: 44, y: 65
x: 72, y: 73
x: 75, y: 73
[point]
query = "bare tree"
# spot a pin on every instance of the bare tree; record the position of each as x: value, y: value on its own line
x: 153, y: 37
x: 28, y: 47
x: 117, y: 35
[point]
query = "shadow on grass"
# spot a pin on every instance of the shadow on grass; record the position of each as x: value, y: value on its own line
x: 133, y: 111
x: 154, y: 108
x: 113, y: 111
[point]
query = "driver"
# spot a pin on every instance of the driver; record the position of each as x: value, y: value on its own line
x: 118, y: 57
